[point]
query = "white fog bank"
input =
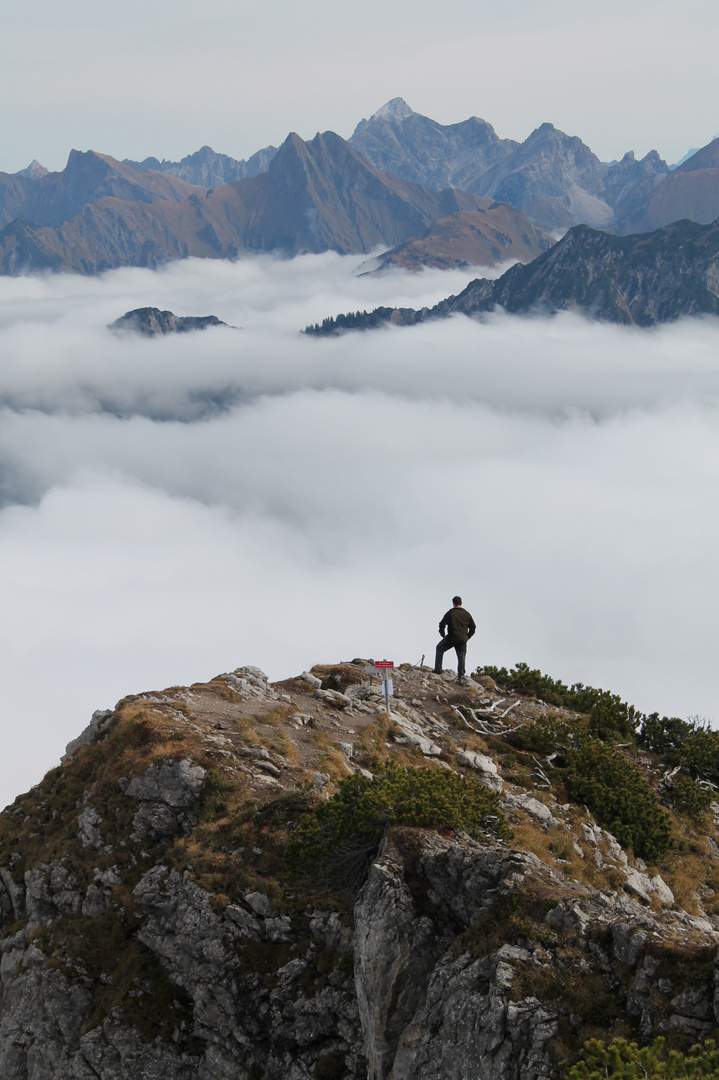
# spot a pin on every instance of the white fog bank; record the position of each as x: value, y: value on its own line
x: 175, y: 508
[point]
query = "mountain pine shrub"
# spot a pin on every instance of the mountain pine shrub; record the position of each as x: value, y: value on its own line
x: 622, y: 1060
x: 546, y: 735
x: 689, y: 798
x: 689, y: 743
x: 602, y: 778
x: 609, y: 716
x: 335, y: 843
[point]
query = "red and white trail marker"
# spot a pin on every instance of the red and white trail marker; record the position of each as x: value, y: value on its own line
x: 385, y: 667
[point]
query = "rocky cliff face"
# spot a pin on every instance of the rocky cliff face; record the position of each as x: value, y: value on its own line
x: 147, y: 928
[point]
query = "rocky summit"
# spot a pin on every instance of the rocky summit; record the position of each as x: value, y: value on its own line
x: 247, y: 880
x: 150, y: 321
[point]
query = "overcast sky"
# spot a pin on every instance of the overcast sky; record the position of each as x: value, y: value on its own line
x: 174, y: 508
x: 163, y: 77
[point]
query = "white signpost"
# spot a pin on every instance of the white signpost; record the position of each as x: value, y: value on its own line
x: 385, y: 668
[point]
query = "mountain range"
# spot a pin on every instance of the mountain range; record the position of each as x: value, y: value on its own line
x: 438, y: 195
x: 52, y: 198
x: 641, y: 279
x: 552, y: 178
x: 316, y: 196
x: 208, y: 168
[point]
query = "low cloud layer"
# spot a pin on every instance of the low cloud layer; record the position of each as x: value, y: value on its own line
x: 176, y: 507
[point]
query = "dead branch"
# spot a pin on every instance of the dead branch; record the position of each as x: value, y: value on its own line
x: 482, y: 727
x: 541, y: 773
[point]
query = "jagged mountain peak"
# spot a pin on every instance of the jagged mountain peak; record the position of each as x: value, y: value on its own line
x: 34, y: 170
x: 209, y: 168
x: 394, y: 110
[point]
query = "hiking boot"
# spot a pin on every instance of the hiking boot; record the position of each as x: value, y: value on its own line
x: 461, y: 681
x: 437, y: 671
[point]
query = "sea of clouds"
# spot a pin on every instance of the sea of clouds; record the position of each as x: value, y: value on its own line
x: 172, y: 508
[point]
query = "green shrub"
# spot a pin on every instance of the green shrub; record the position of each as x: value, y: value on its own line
x: 683, y: 742
x: 700, y: 752
x: 689, y: 798
x: 622, y: 1060
x: 605, y: 780
x: 663, y: 736
x: 609, y: 716
x: 545, y: 735
x: 336, y: 842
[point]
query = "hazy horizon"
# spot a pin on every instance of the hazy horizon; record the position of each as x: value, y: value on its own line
x: 81, y: 76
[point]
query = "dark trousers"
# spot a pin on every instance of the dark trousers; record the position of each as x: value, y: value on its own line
x: 460, y: 647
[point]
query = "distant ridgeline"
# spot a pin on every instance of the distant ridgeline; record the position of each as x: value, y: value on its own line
x: 435, y: 195
x: 644, y: 279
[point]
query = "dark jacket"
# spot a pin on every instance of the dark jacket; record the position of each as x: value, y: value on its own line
x: 459, y: 623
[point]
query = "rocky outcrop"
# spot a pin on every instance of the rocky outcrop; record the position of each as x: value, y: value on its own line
x: 422, y: 995
x: 164, y: 793
x: 151, y: 322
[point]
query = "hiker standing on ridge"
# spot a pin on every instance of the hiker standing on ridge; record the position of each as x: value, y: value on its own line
x: 458, y: 626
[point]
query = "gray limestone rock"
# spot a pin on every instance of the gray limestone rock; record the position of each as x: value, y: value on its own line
x: 628, y: 943
x: 334, y: 697
x: 95, y: 902
x: 259, y: 902
x: 164, y: 791
x: 12, y: 897
x: 100, y: 719
x: 487, y: 769
x: 424, y: 1011
x: 176, y: 783
x: 534, y: 807
x: 87, y: 828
